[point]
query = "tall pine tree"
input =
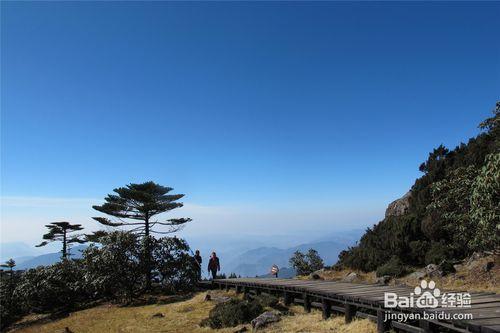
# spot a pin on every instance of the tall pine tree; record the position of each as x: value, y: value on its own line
x: 135, y: 206
x: 63, y: 232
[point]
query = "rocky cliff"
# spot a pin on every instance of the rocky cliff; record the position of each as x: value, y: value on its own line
x: 398, y: 207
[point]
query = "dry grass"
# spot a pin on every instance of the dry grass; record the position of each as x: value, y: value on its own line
x: 313, y: 322
x: 467, y: 278
x: 473, y: 278
x: 340, y: 274
x: 185, y: 317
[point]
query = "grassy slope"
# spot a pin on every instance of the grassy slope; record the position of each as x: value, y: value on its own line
x: 185, y: 317
x: 468, y: 277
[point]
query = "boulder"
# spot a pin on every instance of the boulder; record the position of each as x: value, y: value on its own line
x: 220, y: 299
x: 473, y: 261
x: 315, y: 276
x: 351, y: 277
x: 217, y: 299
x: 383, y: 279
x: 241, y: 330
x: 265, y: 319
x: 488, y: 266
x: 433, y: 270
x: 158, y: 315
x: 398, y: 207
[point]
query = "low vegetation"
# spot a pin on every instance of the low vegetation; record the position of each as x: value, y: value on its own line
x: 478, y: 273
x: 232, y: 313
x: 186, y: 316
x: 118, y: 266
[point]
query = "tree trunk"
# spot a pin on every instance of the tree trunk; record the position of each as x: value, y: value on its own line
x: 147, y: 252
x: 64, y: 245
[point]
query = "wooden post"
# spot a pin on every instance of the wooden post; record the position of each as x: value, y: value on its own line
x: 227, y: 287
x: 350, y: 312
x: 238, y: 289
x: 287, y: 298
x: 245, y: 292
x: 326, y: 307
x: 307, y: 302
x: 382, y: 326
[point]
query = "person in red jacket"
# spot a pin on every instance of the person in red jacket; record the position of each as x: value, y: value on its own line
x: 214, y: 265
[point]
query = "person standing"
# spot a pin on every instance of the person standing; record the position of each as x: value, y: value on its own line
x: 214, y: 265
x: 275, y: 270
x: 198, y: 260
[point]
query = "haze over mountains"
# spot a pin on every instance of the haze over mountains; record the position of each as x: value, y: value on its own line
x: 249, y: 256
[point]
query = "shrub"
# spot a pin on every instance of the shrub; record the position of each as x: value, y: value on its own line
x: 307, y: 263
x: 266, y: 300
x: 232, y: 313
x: 177, y: 269
x: 447, y: 267
x: 394, y: 267
x: 115, y: 270
x: 10, y: 307
x: 437, y: 253
x: 59, y: 287
x: 418, y: 249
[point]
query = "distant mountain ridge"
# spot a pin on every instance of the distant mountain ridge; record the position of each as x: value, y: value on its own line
x: 258, y: 262
x: 48, y: 259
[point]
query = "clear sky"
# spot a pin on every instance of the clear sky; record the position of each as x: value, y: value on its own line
x: 270, y: 117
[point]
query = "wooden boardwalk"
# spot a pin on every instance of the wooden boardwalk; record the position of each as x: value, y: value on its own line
x: 367, y: 301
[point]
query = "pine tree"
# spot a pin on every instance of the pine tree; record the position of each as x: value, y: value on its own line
x: 63, y: 232
x: 10, y: 264
x: 135, y: 206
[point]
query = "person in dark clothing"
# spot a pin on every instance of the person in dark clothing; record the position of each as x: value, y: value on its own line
x: 198, y: 260
x: 213, y: 265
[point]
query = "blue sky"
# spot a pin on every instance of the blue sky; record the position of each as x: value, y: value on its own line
x: 271, y: 117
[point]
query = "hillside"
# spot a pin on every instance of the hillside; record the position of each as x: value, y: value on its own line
x: 185, y: 316
x: 450, y: 212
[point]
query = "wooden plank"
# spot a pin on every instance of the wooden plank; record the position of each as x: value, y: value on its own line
x: 490, y: 329
x: 485, y: 306
x: 407, y: 328
x: 363, y: 315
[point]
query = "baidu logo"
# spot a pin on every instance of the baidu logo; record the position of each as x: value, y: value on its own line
x: 427, y: 296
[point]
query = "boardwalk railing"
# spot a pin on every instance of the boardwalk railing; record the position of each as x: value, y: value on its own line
x: 367, y: 301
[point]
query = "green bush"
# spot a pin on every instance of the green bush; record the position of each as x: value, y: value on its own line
x: 437, y: 253
x: 447, y: 267
x: 394, y: 267
x: 305, y: 264
x: 232, y: 313
x: 418, y: 249
x: 59, y: 287
x: 266, y: 300
x: 10, y: 306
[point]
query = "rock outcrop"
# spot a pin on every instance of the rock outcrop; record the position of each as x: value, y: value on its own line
x: 351, y: 277
x: 265, y: 319
x: 399, y: 207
